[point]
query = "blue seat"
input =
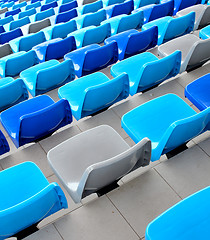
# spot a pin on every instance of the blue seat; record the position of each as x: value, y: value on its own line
x: 33, y: 5
x: 205, y: 33
x: 194, y: 212
x: 111, y: 2
x: 181, y: 4
x: 19, y: 23
x: 48, y: 6
x: 90, y: 35
x: 155, y: 11
x: 12, y: 91
x: 35, y: 119
x: 167, y: 121
x: 55, y: 48
x: 2, y: 30
x: 4, y: 146
x: 27, y: 13
x: 68, y: 6
x: 92, y: 58
x: 169, y: 27
x: 145, y: 70
x: 19, y: 5
x: 12, y: 12
x: 60, y: 30
x: 90, y: 8
x: 8, y: 4
x: 6, y: 20
x: 142, y: 3
x: 47, y: 76
x: 34, y: 198
x: 45, y: 14
x: 198, y: 92
x: 7, y: 36
x: 132, y: 42
x: 13, y: 64
x: 120, y: 8
x: 125, y: 22
x: 25, y: 43
x: 65, y: 16
x: 90, y: 94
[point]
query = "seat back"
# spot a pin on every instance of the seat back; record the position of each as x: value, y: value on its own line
x: 97, y: 35
x: 147, y: 2
x: 187, y: 3
x: 94, y: 18
x: 66, y: 16
x: 4, y: 146
x: 33, y: 5
x: 205, y: 20
x: 7, y: 36
x: 3, y: 10
x: 58, y: 49
x: 45, y: 14
x: 141, y: 41
x: 123, y: 8
x: 48, y: 6
x: 37, y: 26
x: 27, y: 13
x: 19, y: 5
x: 6, y: 20
x: 12, y: 12
x: 92, y: 7
x: 180, y: 26
x: 5, y: 50
x: 100, y: 58
x: 63, y: 29
x: 67, y: 7
x: 162, y: 10
x: 19, y: 23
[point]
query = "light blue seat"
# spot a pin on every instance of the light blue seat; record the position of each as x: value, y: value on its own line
x: 92, y: 58
x: 34, y: 198
x: 198, y: 92
x: 181, y: 4
x: 19, y: 5
x: 47, y: 76
x: 90, y: 8
x: 8, y: 4
x: 60, y: 30
x: 41, y: 112
x: 27, y: 13
x: 167, y: 121
x: 194, y: 211
x: 145, y: 70
x: 25, y: 43
x: 4, y: 146
x: 92, y: 34
x: 132, y: 42
x: 55, y: 48
x: 125, y: 22
x: 67, y: 7
x: 65, y: 16
x: 13, y: 64
x: 19, y: 23
x: 93, y: 93
x: 6, y: 20
x: 205, y: 32
x: 111, y: 2
x: 141, y: 3
x: 33, y: 5
x: 45, y: 14
x: 169, y: 28
x: 12, y: 91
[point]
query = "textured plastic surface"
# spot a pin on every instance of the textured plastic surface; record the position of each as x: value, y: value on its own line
x: 34, y: 198
x: 8, y: 36
x: 4, y: 146
x: 35, y: 119
x: 167, y: 121
x: 102, y: 158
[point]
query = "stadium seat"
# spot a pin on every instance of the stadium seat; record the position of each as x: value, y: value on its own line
x: 19, y: 5
x: 93, y: 58
x: 27, y: 13
x: 93, y: 93
x: 19, y: 23
x: 142, y: 3
x: 65, y: 16
x: 198, y: 92
x: 111, y: 2
x: 12, y: 12
x: 90, y: 8
x: 48, y: 6
x: 181, y: 4
x: 6, y: 20
x: 33, y: 5
x: 102, y: 159
x: 4, y: 146
x: 41, y: 112
x: 168, y: 122
x: 67, y: 7
x: 132, y: 42
x: 120, y: 8
x: 7, y: 36
x: 39, y: 25
x: 5, y: 50
x: 3, y: 10
x: 47, y: 75
x: 45, y: 14
x: 205, y: 33
x: 8, y: 4
x: 33, y: 198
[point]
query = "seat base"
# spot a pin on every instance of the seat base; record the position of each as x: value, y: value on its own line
x: 176, y: 151
x: 107, y: 188
x: 26, y: 232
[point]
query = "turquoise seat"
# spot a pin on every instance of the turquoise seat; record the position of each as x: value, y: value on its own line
x: 141, y: 3
x: 44, y: 14
x: 205, y: 33
x: 13, y: 64
x: 6, y: 20
x: 93, y: 93
x: 145, y: 70
x: 25, y: 43
x: 47, y: 76
x: 19, y: 23
x: 90, y: 8
x: 27, y: 13
x: 19, y: 5
x: 91, y: 34
x: 169, y: 27
x: 125, y: 22
x: 167, y: 121
x: 12, y: 91
x: 195, y: 214
x: 33, y: 5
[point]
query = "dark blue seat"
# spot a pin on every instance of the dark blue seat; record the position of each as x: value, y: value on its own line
x: 68, y: 6
x: 120, y: 8
x: 93, y: 58
x: 132, y: 42
x: 181, y: 4
x: 66, y: 16
x: 48, y: 6
x: 35, y: 119
x: 4, y: 146
x: 12, y: 12
x: 7, y: 36
x: 2, y: 30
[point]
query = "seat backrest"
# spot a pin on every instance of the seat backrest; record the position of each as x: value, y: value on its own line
x: 180, y: 26
x: 205, y: 20
x: 63, y: 29
x: 7, y: 36
x: 162, y: 10
x: 148, y: 2
x: 19, y: 23
x: 27, y: 13
x: 33, y: 5
x: 94, y: 18
x: 2, y: 30
x: 68, y: 6
x: 92, y: 7
x: 19, y: 5
x: 13, y: 12
x: 100, y: 57
x: 37, y: 26
x: 5, y: 50
x: 66, y: 16
x: 48, y: 6
x: 6, y: 20
x: 123, y: 8
x: 187, y: 3
x: 3, y: 10
x: 45, y: 14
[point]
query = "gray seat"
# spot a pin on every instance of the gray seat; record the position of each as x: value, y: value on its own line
x: 202, y: 15
x: 93, y: 160
x: 3, y: 10
x: 39, y: 25
x: 195, y: 51
x: 5, y: 50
